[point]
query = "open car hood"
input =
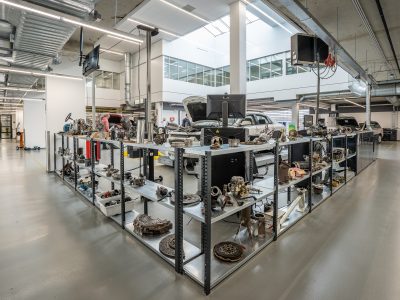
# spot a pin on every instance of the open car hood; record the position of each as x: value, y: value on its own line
x: 196, y: 108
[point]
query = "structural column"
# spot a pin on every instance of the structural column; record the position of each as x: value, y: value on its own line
x: 295, y: 115
x: 238, y: 48
x: 368, y: 106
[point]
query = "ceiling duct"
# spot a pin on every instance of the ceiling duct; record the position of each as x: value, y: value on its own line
x: 395, y: 100
x: 380, y: 90
x: 6, y: 37
x: 84, y: 9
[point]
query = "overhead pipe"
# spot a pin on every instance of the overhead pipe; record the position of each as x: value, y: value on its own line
x: 381, y: 90
x: 128, y: 79
x: 378, y: 3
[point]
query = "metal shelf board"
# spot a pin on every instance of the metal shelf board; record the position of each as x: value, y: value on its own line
x: 335, y: 189
x: 149, y: 190
x: 152, y: 242
x: 338, y: 136
x: 269, y: 183
x: 221, y: 270
x: 318, y: 199
x: 350, y: 175
x: 103, y: 175
x: 339, y: 161
x: 351, y: 156
x: 195, y: 211
x: 322, y: 170
x: 293, y: 218
x: 225, y: 149
x: 112, y: 142
x: 297, y: 141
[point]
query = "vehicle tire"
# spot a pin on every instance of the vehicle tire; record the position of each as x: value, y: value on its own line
x: 379, y: 139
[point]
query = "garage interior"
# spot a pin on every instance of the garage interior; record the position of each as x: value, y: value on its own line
x: 199, y: 149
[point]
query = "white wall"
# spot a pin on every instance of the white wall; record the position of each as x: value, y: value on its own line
x: 385, y: 119
x: 35, y: 123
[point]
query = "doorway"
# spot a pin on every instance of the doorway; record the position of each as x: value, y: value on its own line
x: 5, y: 127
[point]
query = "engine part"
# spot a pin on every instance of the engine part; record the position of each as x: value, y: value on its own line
x: 138, y: 181
x: 167, y: 246
x: 146, y: 225
x: 283, y: 172
x: 216, y: 143
x: 238, y: 187
x: 188, y: 199
x: 228, y: 251
x: 161, y: 191
x: 233, y: 142
x: 261, y: 225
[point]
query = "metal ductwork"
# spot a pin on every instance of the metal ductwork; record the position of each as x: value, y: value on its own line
x: 394, y: 100
x: 128, y: 79
x: 381, y: 90
x: 79, y: 8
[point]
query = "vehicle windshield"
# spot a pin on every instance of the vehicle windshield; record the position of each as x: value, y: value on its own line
x: 347, y: 122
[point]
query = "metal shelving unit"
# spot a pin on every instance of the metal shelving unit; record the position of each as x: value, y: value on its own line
x: 198, y: 262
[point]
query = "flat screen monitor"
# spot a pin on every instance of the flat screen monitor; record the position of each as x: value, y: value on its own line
x: 236, y: 106
x: 91, y: 62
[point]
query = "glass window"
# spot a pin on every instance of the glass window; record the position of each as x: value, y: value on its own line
x: 173, y: 68
x: 219, y: 77
x: 104, y: 80
x: 116, y: 82
x: 166, y: 67
x: 276, y: 65
x: 191, y: 73
x: 254, y: 67
x: 262, y: 120
x: 182, y: 70
x: 209, y: 77
x: 199, y: 74
x: 226, y: 75
x: 265, y: 68
x: 289, y: 68
x: 301, y: 69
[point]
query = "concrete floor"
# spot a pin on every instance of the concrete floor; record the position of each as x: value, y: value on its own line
x: 56, y: 246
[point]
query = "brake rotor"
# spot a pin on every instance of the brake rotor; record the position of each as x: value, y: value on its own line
x: 228, y: 251
x: 188, y: 199
x: 167, y: 246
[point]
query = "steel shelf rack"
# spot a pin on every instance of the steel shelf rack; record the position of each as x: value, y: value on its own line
x: 198, y: 263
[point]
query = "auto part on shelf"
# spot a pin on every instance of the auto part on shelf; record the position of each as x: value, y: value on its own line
x: 68, y: 169
x: 161, y: 191
x: 216, y: 143
x: 296, y: 173
x: 215, y: 197
x: 188, y: 199
x: 292, y: 135
x: 160, y: 137
x: 146, y: 225
x: 299, y: 202
x: 318, y: 188
x: 261, y: 231
x: 116, y: 176
x: 167, y: 246
x: 233, y: 142
x: 181, y: 143
x: 338, y: 153
x: 109, y: 194
x: 283, y: 172
x: 238, y: 187
x: 128, y: 175
x: 110, y: 170
x: 228, y: 251
x: 246, y: 221
x: 138, y: 181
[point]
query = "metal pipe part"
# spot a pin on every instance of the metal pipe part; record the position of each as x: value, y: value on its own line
x: 128, y: 78
x: 149, y: 125
x: 93, y: 102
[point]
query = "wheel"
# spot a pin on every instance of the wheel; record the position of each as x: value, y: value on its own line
x: 379, y: 139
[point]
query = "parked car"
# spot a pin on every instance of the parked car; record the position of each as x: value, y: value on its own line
x: 196, y: 109
x: 376, y: 128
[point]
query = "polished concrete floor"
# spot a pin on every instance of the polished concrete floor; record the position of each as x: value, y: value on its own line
x: 55, y: 246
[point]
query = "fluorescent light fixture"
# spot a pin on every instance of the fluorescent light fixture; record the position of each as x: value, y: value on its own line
x: 36, y: 73
x: 152, y: 27
x: 22, y: 98
x: 114, y: 33
x: 352, y: 102
x: 112, y: 52
x: 185, y: 11
x: 9, y: 88
x: 266, y: 15
x: 123, y: 40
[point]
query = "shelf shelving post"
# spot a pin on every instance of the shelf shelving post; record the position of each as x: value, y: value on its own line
x: 122, y: 172
x: 92, y: 162
x: 178, y: 208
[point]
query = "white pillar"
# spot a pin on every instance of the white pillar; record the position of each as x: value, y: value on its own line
x: 238, y: 48
x: 368, y: 107
x: 295, y: 115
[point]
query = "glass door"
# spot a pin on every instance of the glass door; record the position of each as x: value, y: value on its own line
x: 5, y: 127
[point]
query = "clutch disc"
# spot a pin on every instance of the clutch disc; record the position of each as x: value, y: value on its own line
x: 188, y: 199
x: 167, y: 246
x: 228, y: 251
